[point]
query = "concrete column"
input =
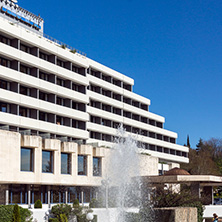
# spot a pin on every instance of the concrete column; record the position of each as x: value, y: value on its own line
x: 6, y: 197
x: 29, y: 196
x: 82, y: 198
x: 49, y: 197
x: 66, y: 196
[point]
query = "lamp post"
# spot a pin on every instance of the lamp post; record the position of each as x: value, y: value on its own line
x: 89, y: 217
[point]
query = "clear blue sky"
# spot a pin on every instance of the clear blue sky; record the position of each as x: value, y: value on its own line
x: 172, y: 49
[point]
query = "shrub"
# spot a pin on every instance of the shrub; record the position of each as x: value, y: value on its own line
x: 93, y: 203
x: 6, y: 214
x: 76, y: 203
x: 53, y: 220
x: 73, y: 51
x: 38, y: 204
x: 95, y: 218
x: 63, y: 218
x: 61, y: 209
x: 16, y: 214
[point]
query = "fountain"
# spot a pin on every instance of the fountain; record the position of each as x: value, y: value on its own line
x: 122, y: 187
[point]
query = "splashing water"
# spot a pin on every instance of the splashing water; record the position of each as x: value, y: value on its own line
x: 123, y: 177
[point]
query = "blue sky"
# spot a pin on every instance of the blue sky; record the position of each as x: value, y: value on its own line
x: 172, y: 49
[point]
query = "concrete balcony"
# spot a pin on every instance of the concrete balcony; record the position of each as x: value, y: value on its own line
x: 30, y: 141
x: 98, y: 152
x: 51, y: 144
x: 69, y: 147
x: 85, y: 150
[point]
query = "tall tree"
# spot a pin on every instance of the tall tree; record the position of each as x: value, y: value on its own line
x: 203, y: 161
x: 188, y: 141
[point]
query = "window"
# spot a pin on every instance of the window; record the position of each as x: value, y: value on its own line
x: 23, y: 111
x: 43, y: 56
x: 97, y: 166
x: 65, y: 163
x: 3, y: 107
x: 25, y: 48
x: 82, y: 165
x: 3, y: 84
x: 26, y: 159
x: 47, y: 162
x: 3, y: 62
x: 24, y: 69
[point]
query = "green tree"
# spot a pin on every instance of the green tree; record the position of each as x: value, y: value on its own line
x: 61, y: 209
x: 16, y: 214
x: 205, y: 159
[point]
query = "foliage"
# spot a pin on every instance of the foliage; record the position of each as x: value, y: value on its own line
x: 80, y: 213
x: 76, y: 203
x: 188, y: 141
x: 206, y: 159
x: 73, y: 51
x: 26, y: 215
x: 61, y: 209
x: 132, y: 217
x: 53, y: 220
x: 95, y: 218
x: 63, y: 218
x: 98, y: 203
x: 63, y: 46
x: 93, y: 203
x: 6, y: 214
x: 16, y: 214
x: 38, y: 204
x: 168, y: 198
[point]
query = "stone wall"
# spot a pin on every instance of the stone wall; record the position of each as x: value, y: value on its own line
x: 176, y: 214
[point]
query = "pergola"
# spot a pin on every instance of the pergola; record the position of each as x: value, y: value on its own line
x: 179, y: 176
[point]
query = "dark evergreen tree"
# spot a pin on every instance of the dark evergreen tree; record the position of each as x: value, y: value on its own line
x: 188, y: 141
x: 199, y: 145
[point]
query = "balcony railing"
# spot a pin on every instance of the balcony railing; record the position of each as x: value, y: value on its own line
x: 63, y: 45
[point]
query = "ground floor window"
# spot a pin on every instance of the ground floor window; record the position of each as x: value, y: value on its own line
x: 19, y: 194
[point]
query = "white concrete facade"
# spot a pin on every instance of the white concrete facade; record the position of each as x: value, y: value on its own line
x: 38, y: 182
x: 89, y: 99
x: 55, y: 98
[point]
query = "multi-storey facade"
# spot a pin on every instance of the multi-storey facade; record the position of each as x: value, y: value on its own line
x: 51, y: 91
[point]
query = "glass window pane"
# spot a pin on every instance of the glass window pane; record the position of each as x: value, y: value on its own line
x: 97, y: 166
x: 82, y: 165
x: 65, y: 163
x: 26, y: 159
x: 47, y: 162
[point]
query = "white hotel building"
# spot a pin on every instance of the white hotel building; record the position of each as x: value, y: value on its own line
x: 59, y: 111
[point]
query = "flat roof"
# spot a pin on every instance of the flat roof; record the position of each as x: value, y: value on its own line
x: 204, y: 180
